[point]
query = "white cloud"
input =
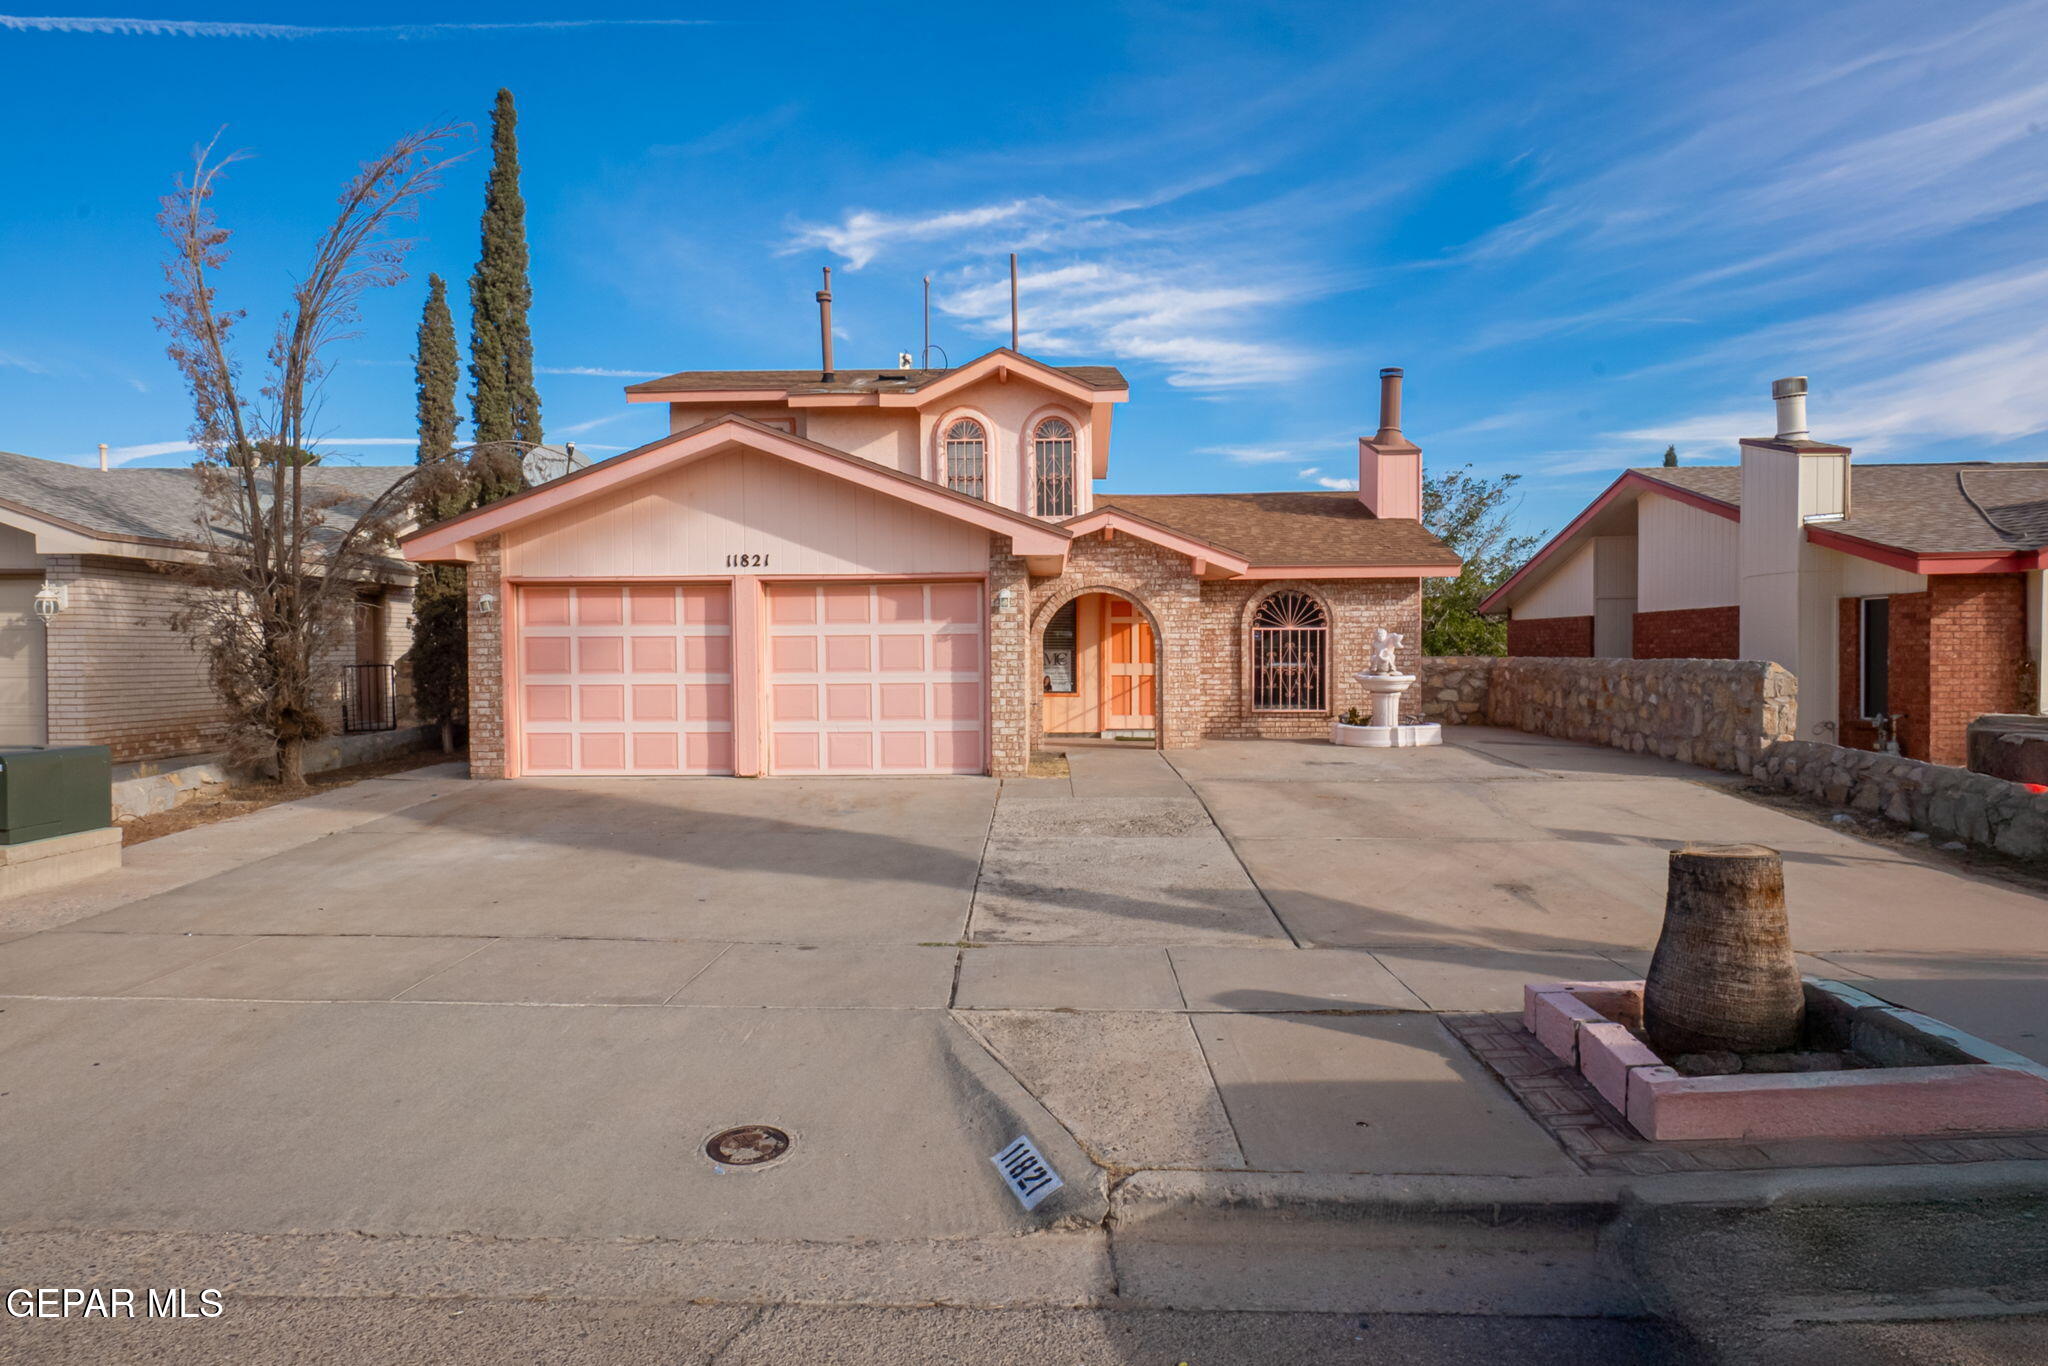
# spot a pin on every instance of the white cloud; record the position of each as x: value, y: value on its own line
x: 207, y: 28
x: 1314, y: 474
x: 594, y: 371
x: 11, y: 361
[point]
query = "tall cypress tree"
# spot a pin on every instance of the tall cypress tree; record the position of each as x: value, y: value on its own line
x: 503, y: 402
x: 440, y: 632
x: 1670, y: 457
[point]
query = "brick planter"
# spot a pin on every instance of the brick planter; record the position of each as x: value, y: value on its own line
x: 1931, y: 1079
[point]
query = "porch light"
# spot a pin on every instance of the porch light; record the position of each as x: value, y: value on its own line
x: 486, y: 604
x: 51, y: 599
x: 1005, y: 598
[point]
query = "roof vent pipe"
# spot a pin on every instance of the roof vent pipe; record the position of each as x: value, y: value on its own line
x: 1790, y: 396
x: 825, y: 325
x: 1390, y: 404
x: 103, y: 457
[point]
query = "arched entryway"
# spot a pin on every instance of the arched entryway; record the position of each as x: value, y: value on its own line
x: 1097, y: 661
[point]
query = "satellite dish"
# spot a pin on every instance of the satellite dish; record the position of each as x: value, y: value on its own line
x: 545, y: 463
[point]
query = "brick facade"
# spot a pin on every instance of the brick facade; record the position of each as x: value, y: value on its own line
x: 118, y: 674
x: 487, y: 662
x: 1551, y: 637
x: 1958, y: 651
x: 1201, y: 628
x: 1688, y: 633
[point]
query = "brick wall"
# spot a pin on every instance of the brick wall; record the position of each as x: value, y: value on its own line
x: 1689, y: 633
x: 1356, y: 608
x: 487, y: 662
x: 118, y: 674
x: 1976, y: 653
x: 1012, y: 717
x: 1551, y: 637
x: 1204, y: 665
x: 1958, y: 651
x: 1159, y: 581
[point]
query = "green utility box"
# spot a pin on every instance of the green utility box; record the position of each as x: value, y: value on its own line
x: 45, y: 792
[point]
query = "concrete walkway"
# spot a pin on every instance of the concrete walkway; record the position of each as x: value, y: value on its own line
x: 422, y: 1008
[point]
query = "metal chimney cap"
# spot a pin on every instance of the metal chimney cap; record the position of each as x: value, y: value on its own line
x: 1788, y: 388
x: 1391, y: 372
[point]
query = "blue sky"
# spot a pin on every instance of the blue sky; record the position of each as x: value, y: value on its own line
x: 1585, y: 230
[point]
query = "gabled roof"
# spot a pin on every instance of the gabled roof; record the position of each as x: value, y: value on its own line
x: 1301, y: 529
x: 783, y: 383
x: 1966, y: 507
x: 454, y: 539
x: 1969, y: 516
x: 157, y: 507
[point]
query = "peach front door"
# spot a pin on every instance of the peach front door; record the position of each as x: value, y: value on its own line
x: 1129, y: 670
x: 876, y: 678
x: 625, y: 679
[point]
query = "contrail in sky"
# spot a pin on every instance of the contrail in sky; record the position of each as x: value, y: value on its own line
x: 208, y: 28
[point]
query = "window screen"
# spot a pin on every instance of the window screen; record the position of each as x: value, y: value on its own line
x: 1059, y: 650
x: 1876, y: 651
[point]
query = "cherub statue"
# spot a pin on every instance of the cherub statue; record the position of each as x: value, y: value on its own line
x: 1384, y: 643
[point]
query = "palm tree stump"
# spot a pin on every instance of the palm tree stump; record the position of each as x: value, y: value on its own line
x: 1724, y: 978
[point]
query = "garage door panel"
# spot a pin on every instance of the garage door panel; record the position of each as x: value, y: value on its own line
x: 876, y: 678
x: 626, y: 679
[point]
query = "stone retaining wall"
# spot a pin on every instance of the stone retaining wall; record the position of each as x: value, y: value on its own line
x: 1949, y: 803
x: 1717, y: 712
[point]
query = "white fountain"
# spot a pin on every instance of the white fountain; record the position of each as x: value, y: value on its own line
x: 1384, y: 682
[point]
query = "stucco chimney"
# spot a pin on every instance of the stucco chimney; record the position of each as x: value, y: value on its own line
x: 1789, y: 594
x: 1389, y: 464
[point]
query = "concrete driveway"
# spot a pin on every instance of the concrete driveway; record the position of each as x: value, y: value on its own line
x: 434, y: 1009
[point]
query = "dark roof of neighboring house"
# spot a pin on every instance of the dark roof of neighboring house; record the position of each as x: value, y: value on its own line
x: 158, y: 506
x: 1304, y: 528
x: 1960, y: 507
x: 844, y: 381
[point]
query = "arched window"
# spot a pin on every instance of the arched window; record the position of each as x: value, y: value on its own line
x: 967, y: 458
x: 1290, y: 654
x: 1052, y: 465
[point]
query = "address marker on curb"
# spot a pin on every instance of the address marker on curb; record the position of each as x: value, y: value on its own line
x: 1026, y: 1172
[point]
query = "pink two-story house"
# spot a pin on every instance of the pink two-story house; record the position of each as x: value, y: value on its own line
x: 894, y: 572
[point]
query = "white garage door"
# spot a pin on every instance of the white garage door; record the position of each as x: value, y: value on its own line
x: 625, y: 679
x: 876, y: 678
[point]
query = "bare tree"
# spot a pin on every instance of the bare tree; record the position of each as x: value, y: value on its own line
x: 284, y: 556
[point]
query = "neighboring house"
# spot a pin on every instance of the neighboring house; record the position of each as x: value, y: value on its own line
x: 867, y: 571
x: 1906, y: 598
x: 106, y: 668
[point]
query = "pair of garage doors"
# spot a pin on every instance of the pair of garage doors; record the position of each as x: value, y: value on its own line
x: 853, y: 678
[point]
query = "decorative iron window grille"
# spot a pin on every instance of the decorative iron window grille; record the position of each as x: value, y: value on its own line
x: 1059, y: 650
x: 1290, y: 654
x: 369, y: 698
x: 967, y: 458
x: 1052, y: 460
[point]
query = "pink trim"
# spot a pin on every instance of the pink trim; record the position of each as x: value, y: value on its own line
x: 1110, y: 520
x: 997, y: 363
x: 1629, y: 481
x: 573, y: 579
x: 748, y: 677
x: 454, y: 539
x: 1351, y: 571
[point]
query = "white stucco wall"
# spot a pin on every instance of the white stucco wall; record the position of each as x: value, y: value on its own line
x: 1567, y: 591
x: 1685, y: 558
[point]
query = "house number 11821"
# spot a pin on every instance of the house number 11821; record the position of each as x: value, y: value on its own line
x: 746, y: 562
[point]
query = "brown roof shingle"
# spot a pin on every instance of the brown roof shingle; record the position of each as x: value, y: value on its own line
x: 1301, y: 527
x: 1954, y: 508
